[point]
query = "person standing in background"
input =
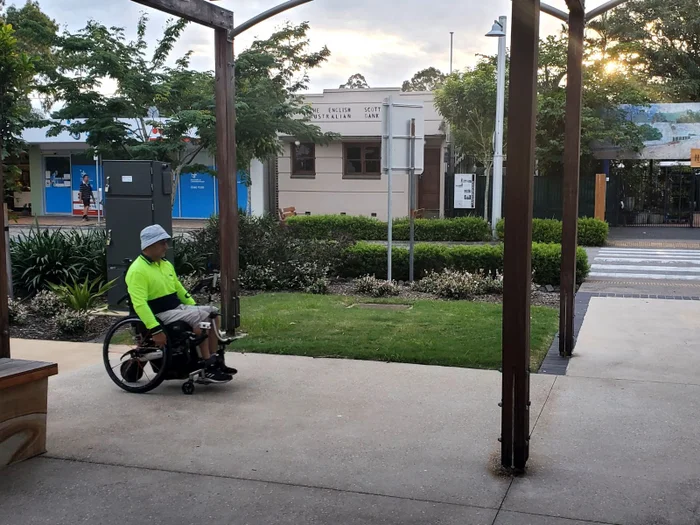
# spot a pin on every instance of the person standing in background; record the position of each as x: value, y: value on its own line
x: 85, y: 194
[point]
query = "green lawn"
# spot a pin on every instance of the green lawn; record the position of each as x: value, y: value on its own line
x: 446, y: 333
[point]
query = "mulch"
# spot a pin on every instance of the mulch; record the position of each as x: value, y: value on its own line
x: 37, y: 327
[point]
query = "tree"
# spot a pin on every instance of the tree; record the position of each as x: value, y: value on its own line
x: 428, y: 79
x: 468, y: 102
x: 356, y: 81
x: 659, y: 38
x: 269, y: 76
x: 602, y: 120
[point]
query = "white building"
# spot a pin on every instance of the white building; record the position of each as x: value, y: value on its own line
x: 345, y: 176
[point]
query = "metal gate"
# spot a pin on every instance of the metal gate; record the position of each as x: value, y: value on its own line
x: 665, y: 195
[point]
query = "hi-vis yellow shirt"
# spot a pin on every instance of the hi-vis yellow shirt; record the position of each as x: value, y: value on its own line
x: 148, y: 281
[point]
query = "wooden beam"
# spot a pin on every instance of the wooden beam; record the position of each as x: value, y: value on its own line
x: 572, y: 164
x: 226, y: 177
x: 522, y: 109
x: 576, y: 5
x: 600, y: 195
x: 198, y: 11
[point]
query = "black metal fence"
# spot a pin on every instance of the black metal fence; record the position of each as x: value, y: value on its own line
x: 547, y: 202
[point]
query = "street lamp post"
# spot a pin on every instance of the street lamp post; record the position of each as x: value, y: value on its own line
x: 499, y: 30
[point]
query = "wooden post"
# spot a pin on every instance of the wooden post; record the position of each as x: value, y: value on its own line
x: 600, y: 195
x: 4, y: 288
x: 515, y: 421
x: 572, y: 162
x: 226, y: 171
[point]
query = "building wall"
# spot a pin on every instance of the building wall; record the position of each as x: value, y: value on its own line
x: 330, y: 193
x: 355, y: 115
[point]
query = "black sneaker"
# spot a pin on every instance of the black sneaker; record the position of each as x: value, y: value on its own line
x: 221, y: 363
x: 214, y: 375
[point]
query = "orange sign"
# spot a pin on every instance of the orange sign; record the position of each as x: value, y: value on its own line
x: 695, y: 158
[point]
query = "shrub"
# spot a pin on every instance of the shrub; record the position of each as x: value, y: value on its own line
x: 191, y: 257
x: 18, y: 312
x: 46, y: 303
x: 318, y: 287
x: 463, y: 229
x: 82, y: 297
x: 72, y: 322
x: 546, y: 264
x: 591, y: 232
x: 370, y: 285
x: 371, y: 259
x: 451, y: 284
x: 43, y: 257
x: 330, y: 226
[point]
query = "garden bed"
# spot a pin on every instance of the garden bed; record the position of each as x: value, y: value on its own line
x: 39, y: 327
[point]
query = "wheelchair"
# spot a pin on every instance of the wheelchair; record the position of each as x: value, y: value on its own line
x: 137, y: 365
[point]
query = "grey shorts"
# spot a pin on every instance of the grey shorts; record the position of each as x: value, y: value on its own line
x: 192, y: 315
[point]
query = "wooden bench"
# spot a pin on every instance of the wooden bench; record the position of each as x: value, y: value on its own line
x: 23, y: 403
x: 285, y: 213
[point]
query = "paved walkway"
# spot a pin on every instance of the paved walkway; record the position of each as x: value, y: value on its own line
x: 297, y: 440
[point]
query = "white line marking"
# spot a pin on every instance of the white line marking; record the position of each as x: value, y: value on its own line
x: 649, y: 259
x: 657, y: 252
x: 658, y: 276
x: 629, y: 267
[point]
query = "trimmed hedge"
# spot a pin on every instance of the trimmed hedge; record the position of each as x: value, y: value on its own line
x: 371, y: 259
x: 591, y: 232
x: 461, y: 229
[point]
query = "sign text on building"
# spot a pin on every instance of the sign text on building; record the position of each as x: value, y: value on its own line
x: 361, y: 112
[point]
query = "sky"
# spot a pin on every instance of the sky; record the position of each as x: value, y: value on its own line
x: 385, y: 40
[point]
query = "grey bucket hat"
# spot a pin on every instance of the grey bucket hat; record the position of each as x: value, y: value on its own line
x: 153, y: 234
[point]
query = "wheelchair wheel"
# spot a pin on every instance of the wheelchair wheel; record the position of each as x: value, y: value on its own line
x: 131, y: 360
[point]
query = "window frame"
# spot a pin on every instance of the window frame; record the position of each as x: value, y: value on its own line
x: 303, y: 174
x: 363, y: 175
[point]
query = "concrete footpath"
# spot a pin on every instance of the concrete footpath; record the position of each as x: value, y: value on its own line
x: 297, y: 440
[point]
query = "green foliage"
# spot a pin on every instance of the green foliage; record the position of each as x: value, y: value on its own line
x: 16, y: 81
x: 44, y: 257
x: 356, y: 81
x: 450, y: 284
x: 462, y: 229
x: 370, y: 285
x: 468, y: 102
x: 602, y: 120
x: 658, y: 39
x: 18, y: 312
x: 591, y: 232
x: 428, y: 79
x: 371, y: 259
x: 191, y: 257
x: 83, y: 296
x: 268, y: 77
x: 72, y: 322
x: 46, y: 303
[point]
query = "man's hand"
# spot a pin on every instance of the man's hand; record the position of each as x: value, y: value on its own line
x: 160, y: 340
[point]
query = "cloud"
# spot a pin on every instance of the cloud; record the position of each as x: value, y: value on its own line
x: 387, y: 41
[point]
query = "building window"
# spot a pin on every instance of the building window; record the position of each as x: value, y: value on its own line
x: 362, y: 161
x: 304, y: 161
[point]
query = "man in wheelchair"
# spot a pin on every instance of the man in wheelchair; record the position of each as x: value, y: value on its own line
x: 159, y: 299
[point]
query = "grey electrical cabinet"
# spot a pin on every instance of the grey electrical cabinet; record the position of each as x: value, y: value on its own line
x: 137, y: 194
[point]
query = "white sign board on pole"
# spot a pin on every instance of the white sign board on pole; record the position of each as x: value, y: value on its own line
x: 465, y: 188
x: 402, y: 150
x: 397, y: 122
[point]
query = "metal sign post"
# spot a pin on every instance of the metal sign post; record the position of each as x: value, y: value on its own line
x: 412, y: 198
x: 388, y: 169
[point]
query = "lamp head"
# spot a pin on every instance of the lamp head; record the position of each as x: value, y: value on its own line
x: 496, y: 30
